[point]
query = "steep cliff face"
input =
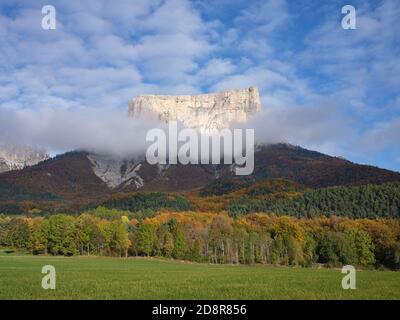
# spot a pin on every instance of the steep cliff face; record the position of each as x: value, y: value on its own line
x: 116, y: 172
x: 13, y: 157
x: 205, y: 112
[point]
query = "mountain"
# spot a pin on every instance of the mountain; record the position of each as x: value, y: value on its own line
x: 14, y: 157
x: 314, y: 169
x: 206, y: 112
x: 80, y: 178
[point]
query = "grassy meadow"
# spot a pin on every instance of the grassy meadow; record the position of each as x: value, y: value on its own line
x: 141, y: 278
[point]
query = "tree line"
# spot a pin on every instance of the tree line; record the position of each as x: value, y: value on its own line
x: 148, y: 201
x: 366, y: 201
x: 140, y: 201
x: 210, y: 237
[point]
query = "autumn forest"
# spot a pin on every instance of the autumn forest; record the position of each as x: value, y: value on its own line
x: 275, y: 222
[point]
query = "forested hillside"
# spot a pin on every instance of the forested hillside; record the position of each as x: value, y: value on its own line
x: 367, y: 201
x: 68, y: 182
x: 149, y: 201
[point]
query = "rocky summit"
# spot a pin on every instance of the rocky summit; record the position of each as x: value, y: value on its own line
x: 205, y: 112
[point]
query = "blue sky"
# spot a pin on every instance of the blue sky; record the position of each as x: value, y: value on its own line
x: 322, y: 87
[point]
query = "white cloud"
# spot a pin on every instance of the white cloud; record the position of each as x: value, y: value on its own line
x: 381, y: 136
x: 100, y: 53
x: 88, y: 129
x: 215, y: 69
x: 356, y: 62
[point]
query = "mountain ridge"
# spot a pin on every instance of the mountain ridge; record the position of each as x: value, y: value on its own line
x: 70, y: 179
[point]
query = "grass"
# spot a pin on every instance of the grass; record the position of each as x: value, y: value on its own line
x: 140, y: 278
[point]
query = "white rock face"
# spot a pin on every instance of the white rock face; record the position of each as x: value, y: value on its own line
x: 13, y: 157
x: 115, y: 172
x: 206, y: 112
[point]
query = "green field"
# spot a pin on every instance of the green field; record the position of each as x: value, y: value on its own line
x: 140, y: 278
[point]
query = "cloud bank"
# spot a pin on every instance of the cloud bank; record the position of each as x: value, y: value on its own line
x: 65, y: 130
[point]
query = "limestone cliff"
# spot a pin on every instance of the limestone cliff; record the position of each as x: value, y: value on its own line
x: 204, y: 112
x: 13, y: 157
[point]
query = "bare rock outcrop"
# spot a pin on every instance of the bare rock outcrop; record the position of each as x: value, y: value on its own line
x: 15, y: 157
x: 205, y: 112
